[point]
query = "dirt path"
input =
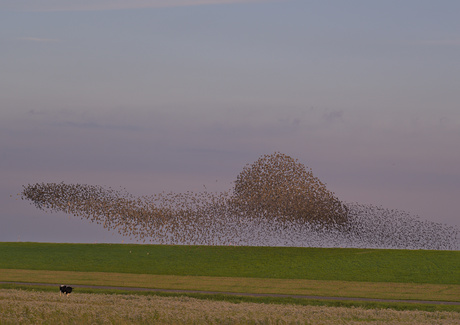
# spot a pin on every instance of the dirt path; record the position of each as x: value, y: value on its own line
x: 241, y: 294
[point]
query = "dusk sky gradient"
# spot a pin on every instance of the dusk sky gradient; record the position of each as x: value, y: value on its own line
x: 175, y: 95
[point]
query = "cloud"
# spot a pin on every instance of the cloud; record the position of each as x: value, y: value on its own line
x: 38, y: 39
x: 35, y: 112
x: 333, y: 116
x: 99, y: 5
x: 94, y: 125
x: 441, y: 42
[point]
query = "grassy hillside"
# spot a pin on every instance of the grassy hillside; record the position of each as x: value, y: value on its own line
x: 404, y: 266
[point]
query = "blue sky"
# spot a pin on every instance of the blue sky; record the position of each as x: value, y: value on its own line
x: 176, y: 94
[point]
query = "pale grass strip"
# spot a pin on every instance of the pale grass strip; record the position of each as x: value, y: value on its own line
x: 402, y: 291
x: 25, y: 307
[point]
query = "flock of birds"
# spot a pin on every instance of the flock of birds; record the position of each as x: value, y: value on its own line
x: 276, y: 201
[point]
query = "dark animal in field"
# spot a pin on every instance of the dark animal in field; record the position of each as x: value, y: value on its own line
x: 66, y: 290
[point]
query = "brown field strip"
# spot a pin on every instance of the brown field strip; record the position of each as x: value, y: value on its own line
x: 398, y: 291
x: 21, y: 307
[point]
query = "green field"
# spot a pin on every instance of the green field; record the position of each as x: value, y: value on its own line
x: 338, y: 264
x: 358, y: 273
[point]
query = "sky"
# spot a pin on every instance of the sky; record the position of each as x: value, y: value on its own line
x: 179, y: 95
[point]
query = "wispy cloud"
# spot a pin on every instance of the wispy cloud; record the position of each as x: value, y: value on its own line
x: 441, y: 42
x: 38, y: 39
x: 98, y: 5
x: 333, y: 116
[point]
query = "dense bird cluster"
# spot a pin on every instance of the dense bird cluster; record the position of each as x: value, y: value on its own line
x: 276, y: 201
x: 278, y: 187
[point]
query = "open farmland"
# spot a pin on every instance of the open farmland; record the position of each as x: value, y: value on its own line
x: 389, y: 274
x: 359, y: 273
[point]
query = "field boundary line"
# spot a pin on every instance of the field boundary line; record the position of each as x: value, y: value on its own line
x: 240, y: 293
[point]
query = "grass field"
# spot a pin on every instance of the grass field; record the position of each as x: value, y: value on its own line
x: 336, y: 264
x: 373, y: 290
x: 364, y: 273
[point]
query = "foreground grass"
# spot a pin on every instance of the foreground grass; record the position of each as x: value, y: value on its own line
x: 328, y: 264
x: 26, y: 307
